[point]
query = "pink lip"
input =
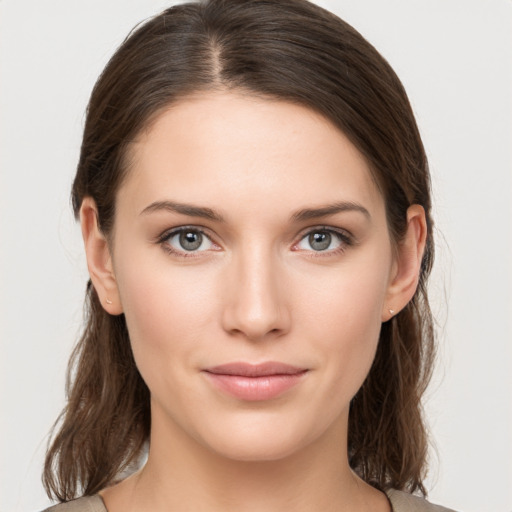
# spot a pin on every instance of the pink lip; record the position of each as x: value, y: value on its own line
x: 255, y: 382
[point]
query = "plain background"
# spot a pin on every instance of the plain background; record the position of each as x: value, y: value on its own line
x: 455, y: 59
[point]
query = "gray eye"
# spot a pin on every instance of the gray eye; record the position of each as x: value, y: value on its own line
x: 190, y: 240
x: 187, y: 240
x: 320, y: 240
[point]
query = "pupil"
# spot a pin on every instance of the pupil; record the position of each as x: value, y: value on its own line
x: 320, y: 241
x: 190, y: 240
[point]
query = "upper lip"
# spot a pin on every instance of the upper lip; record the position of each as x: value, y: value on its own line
x: 255, y: 370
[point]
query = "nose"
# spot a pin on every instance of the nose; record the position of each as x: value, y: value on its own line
x: 255, y: 305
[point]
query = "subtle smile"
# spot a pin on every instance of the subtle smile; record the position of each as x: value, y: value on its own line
x: 255, y: 382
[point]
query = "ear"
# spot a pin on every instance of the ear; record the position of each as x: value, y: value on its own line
x: 99, y: 259
x: 407, y: 266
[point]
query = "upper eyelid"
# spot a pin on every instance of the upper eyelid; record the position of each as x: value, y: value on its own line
x: 178, y: 229
x: 331, y: 229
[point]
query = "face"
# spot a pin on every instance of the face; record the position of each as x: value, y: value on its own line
x: 253, y: 261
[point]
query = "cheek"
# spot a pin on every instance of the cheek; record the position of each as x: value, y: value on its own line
x: 349, y: 298
x: 342, y: 314
x: 167, y: 311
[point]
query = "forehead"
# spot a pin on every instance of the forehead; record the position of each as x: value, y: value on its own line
x: 219, y: 148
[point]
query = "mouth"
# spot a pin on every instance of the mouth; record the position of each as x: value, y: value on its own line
x: 255, y: 382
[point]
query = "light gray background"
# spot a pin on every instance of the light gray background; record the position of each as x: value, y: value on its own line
x: 455, y: 59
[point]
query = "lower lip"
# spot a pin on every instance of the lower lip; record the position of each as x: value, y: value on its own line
x: 255, y: 388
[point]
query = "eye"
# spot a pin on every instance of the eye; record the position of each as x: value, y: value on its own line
x: 323, y: 240
x: 187, y: 240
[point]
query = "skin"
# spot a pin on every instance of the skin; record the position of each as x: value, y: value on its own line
x: 255, y: 291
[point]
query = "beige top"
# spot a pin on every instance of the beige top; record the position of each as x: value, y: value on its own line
x: 400, y: 502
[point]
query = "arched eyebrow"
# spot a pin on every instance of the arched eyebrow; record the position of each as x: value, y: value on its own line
x: 330, y: 209
x: 184, y: 209
x: 299, y: 216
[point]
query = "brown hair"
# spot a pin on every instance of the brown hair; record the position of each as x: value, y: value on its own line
x: 290, y: 50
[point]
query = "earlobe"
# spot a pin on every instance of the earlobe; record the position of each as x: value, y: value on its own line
x: 407, y: 267
x: 99, y: 259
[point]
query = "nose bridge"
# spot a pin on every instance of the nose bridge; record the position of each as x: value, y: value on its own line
x: 255, y: 306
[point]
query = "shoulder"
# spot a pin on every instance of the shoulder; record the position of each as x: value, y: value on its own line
x: 85, y: 504
x: 405, y: 502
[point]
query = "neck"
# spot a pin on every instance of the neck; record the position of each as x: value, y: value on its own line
x: 311, y: 479
x: 182, y: 471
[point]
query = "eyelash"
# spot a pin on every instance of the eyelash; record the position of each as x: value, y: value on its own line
x: 344, y: 237
x: 164, y: 238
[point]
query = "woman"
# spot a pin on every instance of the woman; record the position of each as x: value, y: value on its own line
x: 254, y: 201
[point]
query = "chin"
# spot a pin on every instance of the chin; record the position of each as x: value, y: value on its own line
x: 264, y: 439
x: 257, y: 450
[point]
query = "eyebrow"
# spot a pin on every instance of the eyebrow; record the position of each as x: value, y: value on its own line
x: 301, y: 215
x: 184, y: 209
x: 331, y: 209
